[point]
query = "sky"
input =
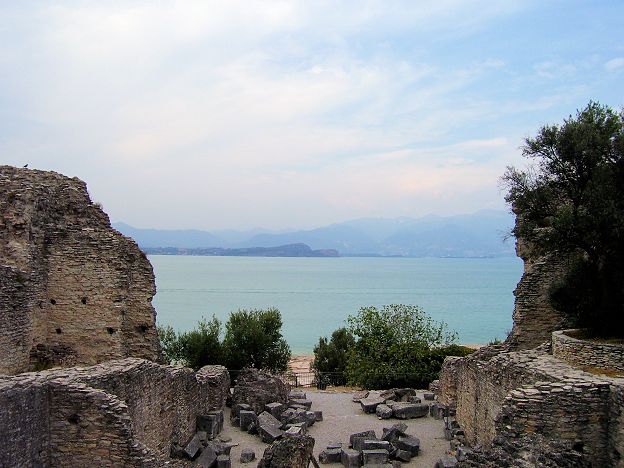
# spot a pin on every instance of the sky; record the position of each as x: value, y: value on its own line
x: 295, y: 114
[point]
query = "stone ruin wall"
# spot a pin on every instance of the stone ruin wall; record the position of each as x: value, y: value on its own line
x: 519, y: 405
x: 73, y: 291
x: 534, y: 318
x: 121, y: 413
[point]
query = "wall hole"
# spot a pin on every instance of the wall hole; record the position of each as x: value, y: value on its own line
x: 142, y: 328
x: 84, y: 300
x: 110, y: 330
x: 578, y: 446
x: 52, y: 301
x: 59, y: 331
x: 74, y: 419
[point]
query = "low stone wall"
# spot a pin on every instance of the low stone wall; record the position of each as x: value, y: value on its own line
x: 585, y: 353
x: 127, y: 412
x: 507, y: 401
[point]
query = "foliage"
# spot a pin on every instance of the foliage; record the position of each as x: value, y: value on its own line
x: 253, y: 339
x: 195, y: 348
x: 572, y: 201
x: 332, y: 356
x: 397, y: 345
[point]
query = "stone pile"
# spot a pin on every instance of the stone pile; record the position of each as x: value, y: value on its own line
x: 399, y: 403
x: 366, y: 449
x: 277, y: 419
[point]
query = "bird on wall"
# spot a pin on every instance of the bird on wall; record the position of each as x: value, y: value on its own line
x: 25, y: 165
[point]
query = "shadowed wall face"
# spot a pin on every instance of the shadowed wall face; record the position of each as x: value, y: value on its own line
x: 73, y: 290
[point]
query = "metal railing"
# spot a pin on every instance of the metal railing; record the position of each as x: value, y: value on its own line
x: 320, y: 380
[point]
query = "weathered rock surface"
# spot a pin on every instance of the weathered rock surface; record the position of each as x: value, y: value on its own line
x: 72, y: 289
x: 259, y: 388
x: 291, y: 451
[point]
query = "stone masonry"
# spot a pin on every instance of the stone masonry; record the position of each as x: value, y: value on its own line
x: 73, y: 291
x: 127, y: 412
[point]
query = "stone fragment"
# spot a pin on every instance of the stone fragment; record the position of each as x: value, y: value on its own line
x: 294, y: 430
x: 246, y: 418
x: 357, y: 440
x: 410, y: 410
x: 307, y: 404
x: 302, y: 427
x: 369, y: 405
x: 402, y: 455
x: 330, y: 455
x: 438, y: 411
x: 429, y: 396
x: 275, y: 408
x: 350, y: 458
x: 357, y: 396
x: 374, y: 457
x: 413, y: 399
x: 267, y: 419
x: 403, y: 393
x: 408, y: 443
x: 318, y: 416
x: 310, y: 418
x: 269, y: 433
x: 299, y: 394
x: 292, y: 451
x: 447, y: 461
x: 383, y: 411
x: 247, y: 455
x: 209, y: 423
x: 223, y: 461
x: 389, y: 394
x: 207, y: 459
x: 258, y: 388
x: 193, y: 447
x: 393, y: 433
x: 375, y: 444
x: 237, y: 408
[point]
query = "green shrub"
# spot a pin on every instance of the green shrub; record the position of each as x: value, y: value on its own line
x: 331, y: 356
x: 253, y: 339
x: 397, y: 345
x: 195, y: 348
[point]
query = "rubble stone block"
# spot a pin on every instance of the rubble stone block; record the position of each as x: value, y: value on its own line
x: 275, y: 408
x: 193, y: 447
x: 413, y: 399
x: 247, y: 455
x: 267, y: 419
x: 297, y: 394
x: 310, y: 417
x: 410, y: 410
x: 447, y: 461
x: 383, y: 411
x: 307, y: 404
x: 362, y: 435
x: 409, y: 443
x: 376, y: 444
x: 292, y: 451
x: 237, y: 408
x: 257, y: 388
x: 318, y: 416
x: 207, y: 459
x: 429, y: 396
x: 330, y: 455
x: 223, y: 461
x: 294, y: 430
x: 208, y: 423
x: 246, y: 418
x: 269, y: 433
x: 350, y: 458
x: 378, y: 457
x: 357, y: 396
x: 402, y: 455
x: 369, y: 405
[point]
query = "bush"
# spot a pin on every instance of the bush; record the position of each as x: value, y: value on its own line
x: 332, y: 356
x: 253, y: 339
x: 572, y: 201
x: 396, y: 346
x: 195, y: 348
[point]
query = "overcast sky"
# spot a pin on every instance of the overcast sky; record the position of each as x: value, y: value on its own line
x: 293, y: 114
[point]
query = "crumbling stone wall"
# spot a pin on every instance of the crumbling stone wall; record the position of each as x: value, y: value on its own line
x: 583, y: 353
x: 121, y: 413
x: 534, y: 318
x: 72, y: 289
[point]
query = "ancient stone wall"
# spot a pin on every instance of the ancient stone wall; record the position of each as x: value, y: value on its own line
x: 72, y: 289
x: 121, y: 413
x: 534, y: 318
x: 583, y: 353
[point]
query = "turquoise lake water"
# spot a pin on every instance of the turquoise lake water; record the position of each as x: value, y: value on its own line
x: 315, y: 295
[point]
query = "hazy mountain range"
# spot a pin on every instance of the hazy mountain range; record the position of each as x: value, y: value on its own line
x: 478, y: 234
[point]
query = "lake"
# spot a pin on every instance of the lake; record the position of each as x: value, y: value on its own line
x: 315, y: 295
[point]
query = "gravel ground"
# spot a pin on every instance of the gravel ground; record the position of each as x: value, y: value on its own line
x: 342, y: 418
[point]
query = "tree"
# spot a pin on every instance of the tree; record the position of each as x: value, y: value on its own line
x: 395, y: 345
x: 332, y: 356
x: 196, y: 348
x: 253, y: 339
x: 572, y: 201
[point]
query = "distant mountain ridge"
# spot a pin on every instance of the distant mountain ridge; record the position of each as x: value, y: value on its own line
x: 479, y: 234
x: 290, y: 250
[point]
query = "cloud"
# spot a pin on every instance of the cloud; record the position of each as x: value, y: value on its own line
x: 614, y: 64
